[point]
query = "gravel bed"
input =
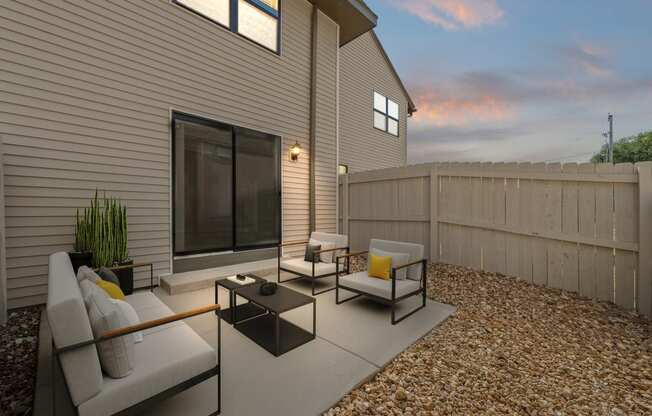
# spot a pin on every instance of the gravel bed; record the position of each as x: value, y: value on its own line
x: 18, y: 360
x: 514, y: 348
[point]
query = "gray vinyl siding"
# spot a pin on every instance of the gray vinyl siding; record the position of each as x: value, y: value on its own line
x: 326, y: 126
x: 363, y: 70
x: 87, y: 89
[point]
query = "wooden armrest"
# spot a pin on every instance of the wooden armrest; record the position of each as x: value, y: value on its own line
x: 353, y: 254
x: 292, y: 243
x: 330, y: 249
x: 157, y: 322
x: 408, y: 264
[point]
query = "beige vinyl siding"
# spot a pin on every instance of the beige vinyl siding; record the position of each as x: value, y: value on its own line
x: 87, y: 87
x: 326, y: 125
x: 363, y: 70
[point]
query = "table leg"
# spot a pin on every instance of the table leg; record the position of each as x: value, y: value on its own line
x: 232, y: 302
x: 314, y: 318
x: 278, y: 335
x: 216, y: 298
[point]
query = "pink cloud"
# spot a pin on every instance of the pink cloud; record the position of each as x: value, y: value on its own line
x: 590, y: 58
x: 439, y: 110
x: 453, y: 14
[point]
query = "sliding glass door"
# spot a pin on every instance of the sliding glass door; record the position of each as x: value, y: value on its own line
x: 227, y: 191
x: 257, y: 189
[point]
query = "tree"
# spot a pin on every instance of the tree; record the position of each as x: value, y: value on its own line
x: 628, y: 149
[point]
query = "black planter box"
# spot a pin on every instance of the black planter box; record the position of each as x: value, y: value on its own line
x: 126, y: 278
x: 80, y: 259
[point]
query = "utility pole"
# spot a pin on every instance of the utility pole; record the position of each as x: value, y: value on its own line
x: 611, y: 138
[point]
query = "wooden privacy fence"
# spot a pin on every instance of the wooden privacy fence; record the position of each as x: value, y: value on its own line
x: 585, y: 228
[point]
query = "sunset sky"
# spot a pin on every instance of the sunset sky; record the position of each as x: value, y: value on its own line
x: 519, y: 80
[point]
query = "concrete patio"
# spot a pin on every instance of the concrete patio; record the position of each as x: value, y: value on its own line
x: 354, y: 341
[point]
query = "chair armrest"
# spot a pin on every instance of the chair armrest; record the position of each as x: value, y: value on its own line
x: 330, y: 249
x: 292, y: 243
x: 408, y: 264
x: 140, y: 327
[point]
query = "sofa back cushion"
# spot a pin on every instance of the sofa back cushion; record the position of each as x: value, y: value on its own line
x: 69, y: 323
x: 333, y: 241
x: 416, y: 252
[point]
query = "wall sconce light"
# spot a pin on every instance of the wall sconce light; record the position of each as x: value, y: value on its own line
x: 295, y: 151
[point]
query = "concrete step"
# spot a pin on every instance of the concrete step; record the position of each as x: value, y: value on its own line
x: 202, y: 279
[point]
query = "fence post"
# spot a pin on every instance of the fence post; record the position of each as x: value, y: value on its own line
x: 644, y: 284
x: 434, y: 215
x: 345, y: 206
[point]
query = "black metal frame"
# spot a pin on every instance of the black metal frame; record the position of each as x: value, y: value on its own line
x: 312, y: 277
x: 233, y: 21
x: 138, y: 408
x: 191, y: 118
x: 277, y: 322
x: 394, y: 300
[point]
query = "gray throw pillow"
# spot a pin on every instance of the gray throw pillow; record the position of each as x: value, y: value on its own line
x: 109, y: 276
x: 398, y: 259
x: 85, y: 273
x: 310, y: 255
x: 117, y: 357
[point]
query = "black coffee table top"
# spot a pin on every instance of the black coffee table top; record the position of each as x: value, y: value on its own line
x: 282, y: 301
x: 230, y: 285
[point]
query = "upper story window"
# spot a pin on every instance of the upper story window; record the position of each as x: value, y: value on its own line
x: 257, y: 20
x: 386, y: 114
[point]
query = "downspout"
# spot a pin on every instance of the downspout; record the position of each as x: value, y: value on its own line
x: 313, y: 117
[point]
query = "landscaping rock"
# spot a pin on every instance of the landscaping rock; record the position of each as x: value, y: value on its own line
x: 514, y: 348
x: 18, y: 360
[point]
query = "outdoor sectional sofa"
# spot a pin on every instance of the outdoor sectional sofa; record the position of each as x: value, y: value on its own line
x: 391, y: 291
x: 171, y: 358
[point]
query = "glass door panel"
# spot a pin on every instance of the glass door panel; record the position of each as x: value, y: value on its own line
x: 203, y: 188
x: 257, y: 189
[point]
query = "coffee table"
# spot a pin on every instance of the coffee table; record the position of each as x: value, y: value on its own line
x: 246, y: 310
x: 269, y: 330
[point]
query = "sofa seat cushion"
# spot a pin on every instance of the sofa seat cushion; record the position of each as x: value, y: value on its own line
x: 378, y: 287
x: 148, y: 307
x: 304, y: 267
x: 163, y: 360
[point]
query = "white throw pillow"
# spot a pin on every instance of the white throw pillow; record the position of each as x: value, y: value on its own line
x: 132, y: 317
x: 117, y: 357
x: 85, y: 272
x: 398, y: 259
x: 326, y: 257
x: 87, y: 288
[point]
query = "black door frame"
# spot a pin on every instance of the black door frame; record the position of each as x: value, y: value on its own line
x: 178, y: 115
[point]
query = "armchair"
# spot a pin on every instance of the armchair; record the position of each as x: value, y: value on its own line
x: 394, y: 290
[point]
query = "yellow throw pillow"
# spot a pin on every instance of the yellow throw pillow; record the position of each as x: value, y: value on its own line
x: 111, y: 289
x: 380, y: 266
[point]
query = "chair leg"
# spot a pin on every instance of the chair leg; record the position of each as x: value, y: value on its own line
x: 418, y: 308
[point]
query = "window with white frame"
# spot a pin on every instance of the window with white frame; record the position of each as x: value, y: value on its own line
x: 386, y: 114
x: 257, y: 20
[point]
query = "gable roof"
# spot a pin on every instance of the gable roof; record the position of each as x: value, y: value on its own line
x: 411, y: 107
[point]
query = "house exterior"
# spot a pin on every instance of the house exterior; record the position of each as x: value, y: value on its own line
x: 367, y: 139
x: 186, y: 110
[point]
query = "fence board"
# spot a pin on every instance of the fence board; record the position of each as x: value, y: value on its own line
x: 604, y: 258
x: 586, y: 228
x: 552, y: 223
x: 569, y: 226
x: 572, y: 227
x: 626, y: 229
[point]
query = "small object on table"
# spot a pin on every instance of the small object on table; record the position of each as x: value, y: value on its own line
x: 267, y: 289
x: 241, y: 279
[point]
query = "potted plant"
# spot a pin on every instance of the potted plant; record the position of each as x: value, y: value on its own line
x: 82, y: 255
x: 102, y: 230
